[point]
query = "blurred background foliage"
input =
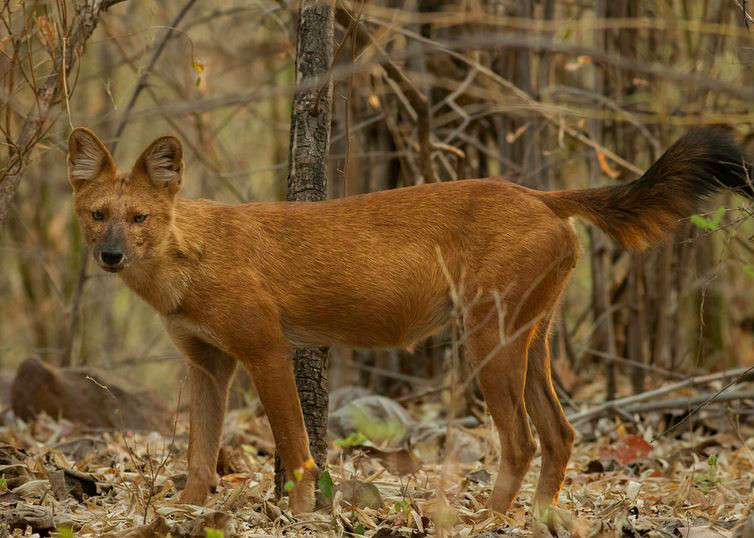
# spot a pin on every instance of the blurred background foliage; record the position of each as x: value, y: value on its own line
x: 552, y: 94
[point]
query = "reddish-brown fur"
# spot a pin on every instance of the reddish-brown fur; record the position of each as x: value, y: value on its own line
x: 243, y: 283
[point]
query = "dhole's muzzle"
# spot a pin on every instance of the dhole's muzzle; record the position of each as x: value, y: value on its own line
x: 110, y: 253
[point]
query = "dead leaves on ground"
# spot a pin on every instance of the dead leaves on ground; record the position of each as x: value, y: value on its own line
x: 125, y: 486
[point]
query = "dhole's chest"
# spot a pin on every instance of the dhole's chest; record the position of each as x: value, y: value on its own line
x: 181, y: 326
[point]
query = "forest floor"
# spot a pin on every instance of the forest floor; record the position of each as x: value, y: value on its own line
x: 693, y: 483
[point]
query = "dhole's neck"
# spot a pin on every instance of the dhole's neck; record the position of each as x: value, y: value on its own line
x: 164, y: 277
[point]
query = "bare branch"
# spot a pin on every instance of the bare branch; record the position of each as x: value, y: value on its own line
x: 142, y: 82
x: 34, y: 127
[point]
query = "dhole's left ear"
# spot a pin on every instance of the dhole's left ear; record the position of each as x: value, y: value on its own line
x: 162, y: 163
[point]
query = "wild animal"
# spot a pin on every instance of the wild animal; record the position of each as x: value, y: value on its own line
x: 244, y: 283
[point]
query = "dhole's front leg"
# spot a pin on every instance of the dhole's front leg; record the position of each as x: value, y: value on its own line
x: 272, y: 372
x: 210, y: 373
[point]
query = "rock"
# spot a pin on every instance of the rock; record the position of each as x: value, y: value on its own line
x: 344, y: 395
x: 85, y: 396
x: 429, y: 442
x: 359, y: 494
x: 384, y: 422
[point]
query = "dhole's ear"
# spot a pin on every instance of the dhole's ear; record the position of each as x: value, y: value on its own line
x: 87, y: 157
x: 162, y: 163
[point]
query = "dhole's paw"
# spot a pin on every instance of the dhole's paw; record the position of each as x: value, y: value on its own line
x: 500, y: 501
x: 554, y: 518
x: 195, y: 493
x: 301, y: 497
x: 195, y: 498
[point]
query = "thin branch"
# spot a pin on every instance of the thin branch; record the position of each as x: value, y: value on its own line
x: 35, y: 124
x: 695, y: 402
x: 607, y: 408
x: 418, y: 100
x: 142, y: 82
x: 704, y: 402
x: 65, y: 359
x: 748, y: 19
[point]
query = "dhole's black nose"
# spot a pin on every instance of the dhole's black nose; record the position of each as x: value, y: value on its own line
x: 111, y: 258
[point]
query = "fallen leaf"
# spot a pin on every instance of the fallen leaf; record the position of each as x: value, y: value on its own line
x: 632, y: 447
x: 605, y: 166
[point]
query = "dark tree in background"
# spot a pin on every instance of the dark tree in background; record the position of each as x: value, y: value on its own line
x: 307, y: 181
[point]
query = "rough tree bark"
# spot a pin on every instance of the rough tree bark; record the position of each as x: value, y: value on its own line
x: 70, y: 50
x: 307, y: 181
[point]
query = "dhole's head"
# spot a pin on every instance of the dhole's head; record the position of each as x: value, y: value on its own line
x: 125, y: 216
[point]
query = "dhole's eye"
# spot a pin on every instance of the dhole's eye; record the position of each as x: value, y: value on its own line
x: 138, y: 219
x: 98, y: 215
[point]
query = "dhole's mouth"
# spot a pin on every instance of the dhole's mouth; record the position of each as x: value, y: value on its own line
x: 111, y: 268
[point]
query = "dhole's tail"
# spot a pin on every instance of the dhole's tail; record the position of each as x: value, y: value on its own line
x: 644, y: 212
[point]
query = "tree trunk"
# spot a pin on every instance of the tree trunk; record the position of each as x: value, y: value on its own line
x: 307, y: 181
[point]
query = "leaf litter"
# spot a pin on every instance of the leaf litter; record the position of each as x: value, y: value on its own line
x: 57, y: 479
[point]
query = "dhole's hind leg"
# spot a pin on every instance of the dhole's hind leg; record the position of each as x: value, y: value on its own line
x: 502, y: 377
x: 554, y: 430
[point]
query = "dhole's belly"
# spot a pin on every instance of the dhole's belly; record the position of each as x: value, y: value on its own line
x: 365, y: 328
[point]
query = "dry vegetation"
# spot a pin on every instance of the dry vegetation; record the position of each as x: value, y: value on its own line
x: 696, y: 483
x: 549, y: 93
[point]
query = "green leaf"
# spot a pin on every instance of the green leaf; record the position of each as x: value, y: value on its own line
x: 326, y: 485
x: 65, y: 532
x: 355, y: 439
x: 288, y: 486
x: 703, y: 484
x: 359, y: 528
x: 711, y: 222
x: 712, y: 460
x: 213, y: 533
x: 717, y: 216
x: 749, y: 270
x: 701, y: 222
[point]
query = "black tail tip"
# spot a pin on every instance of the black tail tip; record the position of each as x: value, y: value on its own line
x: 722, y: 157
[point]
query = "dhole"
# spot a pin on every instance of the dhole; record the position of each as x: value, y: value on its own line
x: 244, y: 283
